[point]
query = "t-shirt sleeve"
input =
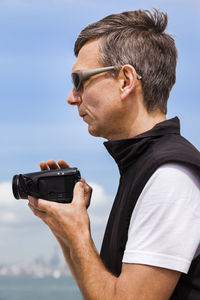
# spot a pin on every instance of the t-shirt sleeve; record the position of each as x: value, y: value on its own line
x: 164, y: 227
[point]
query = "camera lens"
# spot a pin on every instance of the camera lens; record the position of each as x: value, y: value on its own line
x: 17, y: 188
x: 15, y: 183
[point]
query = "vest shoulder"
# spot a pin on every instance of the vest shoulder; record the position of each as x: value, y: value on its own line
x: 176, y: 144
x: 174, y: 148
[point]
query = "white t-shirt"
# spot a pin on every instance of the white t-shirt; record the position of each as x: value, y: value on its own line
x: 164, y: 229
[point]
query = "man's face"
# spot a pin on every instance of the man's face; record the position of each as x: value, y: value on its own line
x: 98, y: 101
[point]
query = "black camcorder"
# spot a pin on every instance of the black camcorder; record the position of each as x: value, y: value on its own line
x: 53, y: 185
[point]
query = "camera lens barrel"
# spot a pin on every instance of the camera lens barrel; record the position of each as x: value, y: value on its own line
x: 15, y: 183
x: 17, y: 189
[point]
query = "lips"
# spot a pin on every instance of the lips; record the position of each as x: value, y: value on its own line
x: 82, y: 114
x: 84, y: 117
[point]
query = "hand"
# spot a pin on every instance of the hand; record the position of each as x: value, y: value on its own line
x: 68, y: 222
x: 51, y: 165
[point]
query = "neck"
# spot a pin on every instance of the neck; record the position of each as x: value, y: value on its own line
x: 141, y: 123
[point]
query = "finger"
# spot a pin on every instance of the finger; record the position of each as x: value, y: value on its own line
x: 44, y: 166
x: 42, y: 215
x: 87, y: 193
x: 34, y: 202
x: 63, y: 164
x: 87, y: 187
x: 82, y: 194
x: 52, y: 164
x: 37, y: 212
x: 42, y: 205
x: 78, y: 194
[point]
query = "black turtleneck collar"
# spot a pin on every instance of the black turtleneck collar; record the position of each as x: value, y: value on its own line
x: 126, y: 151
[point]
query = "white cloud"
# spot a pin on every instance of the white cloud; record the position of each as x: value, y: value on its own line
x: 14, y: 211
x: 100, y: 205
x: 6, y: 196
x: 8, y: 217
x: 99, y: 197
x: 18, y: 225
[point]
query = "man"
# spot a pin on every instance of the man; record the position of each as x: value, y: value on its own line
x: 151, y: 244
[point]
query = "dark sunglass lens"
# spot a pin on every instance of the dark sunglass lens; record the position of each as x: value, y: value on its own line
x: 75, y: 80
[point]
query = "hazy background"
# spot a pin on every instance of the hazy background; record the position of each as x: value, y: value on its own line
x: 36, y: 55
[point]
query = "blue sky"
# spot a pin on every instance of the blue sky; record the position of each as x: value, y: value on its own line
x: 36, y: 55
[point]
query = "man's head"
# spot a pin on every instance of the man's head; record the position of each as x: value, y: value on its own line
x: 134, y: 43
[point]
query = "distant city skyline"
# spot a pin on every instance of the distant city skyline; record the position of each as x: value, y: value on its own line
x: 40, y: 266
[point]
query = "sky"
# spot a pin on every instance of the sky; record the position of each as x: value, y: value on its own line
x: 36, y: 56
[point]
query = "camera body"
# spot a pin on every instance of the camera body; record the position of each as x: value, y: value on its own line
x: 53, y: 185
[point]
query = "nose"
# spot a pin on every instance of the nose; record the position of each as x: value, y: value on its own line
x: 74, y: 98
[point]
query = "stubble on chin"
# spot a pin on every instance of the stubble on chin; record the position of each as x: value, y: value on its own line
x: 94, y: 131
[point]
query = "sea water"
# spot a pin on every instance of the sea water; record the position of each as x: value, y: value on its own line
x: 46, y: 288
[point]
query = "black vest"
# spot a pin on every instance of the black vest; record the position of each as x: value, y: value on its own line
x: 137, y: 159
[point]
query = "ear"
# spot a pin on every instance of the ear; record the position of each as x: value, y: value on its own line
x: 128, y: 80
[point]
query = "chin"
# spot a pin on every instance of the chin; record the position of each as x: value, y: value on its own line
x: 94, y: 131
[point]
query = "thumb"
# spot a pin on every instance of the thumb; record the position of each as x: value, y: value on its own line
x: 78, y: 194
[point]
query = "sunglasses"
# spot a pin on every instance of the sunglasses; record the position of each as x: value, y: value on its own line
x: 79, y: 77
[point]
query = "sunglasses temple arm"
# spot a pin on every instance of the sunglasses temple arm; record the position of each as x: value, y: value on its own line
x: 86, y: 74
